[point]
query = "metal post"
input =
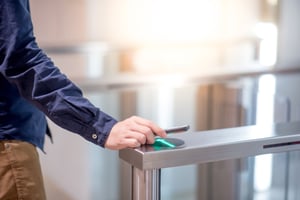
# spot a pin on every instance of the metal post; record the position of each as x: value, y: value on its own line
x: 145, y: 184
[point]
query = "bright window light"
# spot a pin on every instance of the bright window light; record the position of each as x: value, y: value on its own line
x: 264, y: 116
x: 165, y: 106
x: 267, y: 33
x: 95, y: 54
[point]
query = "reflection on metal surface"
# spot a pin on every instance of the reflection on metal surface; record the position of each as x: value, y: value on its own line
x: 146, y: 184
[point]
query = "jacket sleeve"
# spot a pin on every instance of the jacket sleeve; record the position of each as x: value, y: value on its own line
x: 39, y: 81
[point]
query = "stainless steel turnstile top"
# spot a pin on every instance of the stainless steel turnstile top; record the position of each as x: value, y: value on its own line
x: 216, y: 145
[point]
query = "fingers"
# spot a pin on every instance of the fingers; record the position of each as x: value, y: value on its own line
x: 121, y: 144
x: 125, y: 134
x: 149, y: 127
x: 133, y: 132
x: 138, y: 136
x: 144, y: 134
x: 132, y: 143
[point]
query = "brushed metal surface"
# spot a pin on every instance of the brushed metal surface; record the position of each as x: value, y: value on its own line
x: 146, y: 184
x: 216, y: 145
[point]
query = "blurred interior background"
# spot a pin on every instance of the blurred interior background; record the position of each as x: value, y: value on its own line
x: 211, y: 64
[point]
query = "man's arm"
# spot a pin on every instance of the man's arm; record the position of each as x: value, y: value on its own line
x: 39, y: 81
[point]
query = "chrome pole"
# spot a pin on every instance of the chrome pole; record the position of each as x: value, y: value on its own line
x: 145, y: 184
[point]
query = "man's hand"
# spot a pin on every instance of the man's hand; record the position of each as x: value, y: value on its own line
x: 133, y: 132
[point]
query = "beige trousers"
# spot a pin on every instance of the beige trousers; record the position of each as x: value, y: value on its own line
x: 20, y: 172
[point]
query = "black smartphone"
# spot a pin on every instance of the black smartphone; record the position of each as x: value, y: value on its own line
x: 177, y: 129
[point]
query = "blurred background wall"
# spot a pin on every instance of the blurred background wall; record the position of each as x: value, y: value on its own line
x: 103, y: 42
x: 158, y: 36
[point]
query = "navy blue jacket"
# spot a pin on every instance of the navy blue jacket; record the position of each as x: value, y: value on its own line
x: 31, y: 86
